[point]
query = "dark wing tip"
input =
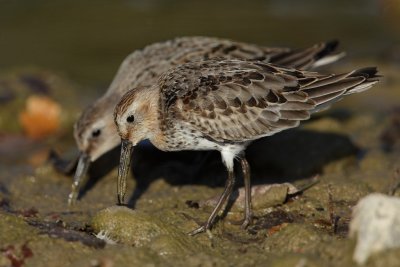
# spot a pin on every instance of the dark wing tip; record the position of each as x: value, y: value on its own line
x: 330, y: 46
x: 367, y: 72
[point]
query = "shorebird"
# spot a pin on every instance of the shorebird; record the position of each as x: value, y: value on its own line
x: 95, y: 132
x: 224, y: 105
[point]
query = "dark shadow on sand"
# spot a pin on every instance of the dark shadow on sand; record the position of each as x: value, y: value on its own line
x: 284, y: 157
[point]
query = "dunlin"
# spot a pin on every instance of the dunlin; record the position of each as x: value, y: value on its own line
x: 95, y: 132
x: 224, y: 105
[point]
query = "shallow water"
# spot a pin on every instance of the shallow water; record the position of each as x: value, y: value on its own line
x: 70, y: 51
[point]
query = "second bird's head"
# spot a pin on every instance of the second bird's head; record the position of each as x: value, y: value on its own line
x: 95, y: 132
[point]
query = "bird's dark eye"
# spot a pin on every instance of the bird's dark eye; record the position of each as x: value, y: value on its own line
x: 96, y: 133
x: 130, y: 119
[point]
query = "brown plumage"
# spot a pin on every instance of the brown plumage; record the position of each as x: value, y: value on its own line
x: 95, y: 132
x: 239, y: 101
x: 224, y: 105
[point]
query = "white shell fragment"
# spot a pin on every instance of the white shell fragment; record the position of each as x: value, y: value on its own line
x: 376, y: 223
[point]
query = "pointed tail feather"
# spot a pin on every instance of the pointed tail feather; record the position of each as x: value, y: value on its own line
x: 330, y: 89
x: 371, y: 78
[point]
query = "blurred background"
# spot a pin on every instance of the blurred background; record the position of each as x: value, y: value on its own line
x: 87, y: 40
x: 69, y: 51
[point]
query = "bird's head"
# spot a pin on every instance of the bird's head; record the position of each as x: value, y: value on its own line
x: 136, y: 114
x: 136, y: 119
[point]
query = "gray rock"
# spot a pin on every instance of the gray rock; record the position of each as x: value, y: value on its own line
x: 376, y: 225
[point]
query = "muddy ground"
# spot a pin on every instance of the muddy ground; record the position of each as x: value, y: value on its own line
x: 351, y: 150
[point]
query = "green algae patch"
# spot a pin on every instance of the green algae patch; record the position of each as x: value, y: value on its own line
x: 119, y: 224
x: 291, y: 259
x: 295, y: 238
x: 121, y: 255
x: 127, y: 226
x: 300, y: 240
x: 13, y: 229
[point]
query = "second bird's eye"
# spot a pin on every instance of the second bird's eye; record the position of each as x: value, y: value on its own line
x: 96, y: 133
x: 130, y: 118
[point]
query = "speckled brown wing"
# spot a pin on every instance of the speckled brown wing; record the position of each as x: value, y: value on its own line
x: 292, y: 58
x: 238, y: 101
x: 204, y: 48
x: 143, y: 67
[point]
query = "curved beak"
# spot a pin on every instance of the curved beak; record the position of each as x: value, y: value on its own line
x: 124, y: 166
x: 81, y: 170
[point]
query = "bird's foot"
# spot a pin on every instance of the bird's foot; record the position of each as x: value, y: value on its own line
x: 246, y: 223
x: 199, y: 230
x: 204, y: 228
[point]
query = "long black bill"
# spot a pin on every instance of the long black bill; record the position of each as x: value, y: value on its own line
x: 81, y: 170
x: 124, y: 166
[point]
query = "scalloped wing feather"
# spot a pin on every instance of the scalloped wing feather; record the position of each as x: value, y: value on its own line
x: 233, y: 100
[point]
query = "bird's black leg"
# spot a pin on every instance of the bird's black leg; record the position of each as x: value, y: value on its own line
x: 222, y: 200
x: 247, y: 190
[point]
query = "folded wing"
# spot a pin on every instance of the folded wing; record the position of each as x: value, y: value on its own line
x: 234, y: 100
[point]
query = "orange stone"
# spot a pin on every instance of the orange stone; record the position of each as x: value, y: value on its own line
x: 41, y: 117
